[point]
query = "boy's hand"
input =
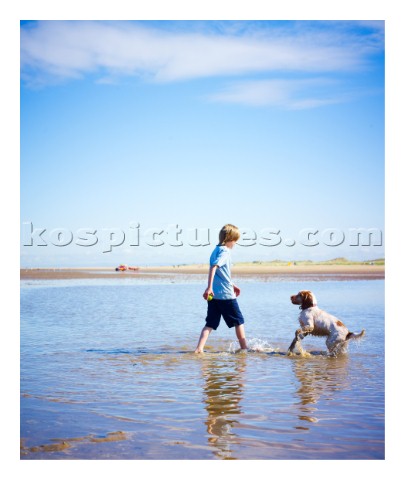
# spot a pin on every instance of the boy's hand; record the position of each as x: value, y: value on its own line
x: 236, y: 290
x: 207, y: 292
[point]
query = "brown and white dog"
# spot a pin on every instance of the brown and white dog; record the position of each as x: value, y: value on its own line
x: 315, y: 321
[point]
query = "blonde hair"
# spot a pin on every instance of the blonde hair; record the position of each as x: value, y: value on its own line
x: 228, y: 233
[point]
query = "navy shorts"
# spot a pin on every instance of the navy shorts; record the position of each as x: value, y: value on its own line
x: 229, y: 309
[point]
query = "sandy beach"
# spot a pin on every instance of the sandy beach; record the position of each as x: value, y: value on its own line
x: 358, y: 271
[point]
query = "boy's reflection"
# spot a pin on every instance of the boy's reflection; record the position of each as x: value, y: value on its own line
x: 224, y: 382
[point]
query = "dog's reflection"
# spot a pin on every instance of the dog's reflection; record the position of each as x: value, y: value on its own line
x: 319, y: 377
x: 223, y: 389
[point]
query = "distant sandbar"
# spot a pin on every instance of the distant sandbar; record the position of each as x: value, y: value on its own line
x: 318, y: 271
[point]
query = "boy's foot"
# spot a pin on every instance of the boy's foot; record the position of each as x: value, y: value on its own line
x: 242, y: 350
x: 199, y: 351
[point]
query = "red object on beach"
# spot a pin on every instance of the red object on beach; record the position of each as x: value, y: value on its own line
x: 123, y: 268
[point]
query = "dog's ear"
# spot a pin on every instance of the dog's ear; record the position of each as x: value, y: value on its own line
x: 307, y: 299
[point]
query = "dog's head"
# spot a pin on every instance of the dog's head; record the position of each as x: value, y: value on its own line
x: 304, y: 298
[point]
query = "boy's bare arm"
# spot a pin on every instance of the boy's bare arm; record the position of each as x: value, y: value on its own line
x: 236, y: 290
x: 208, y: 290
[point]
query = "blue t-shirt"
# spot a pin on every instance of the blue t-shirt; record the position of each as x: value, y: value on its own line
x: 222, y: 284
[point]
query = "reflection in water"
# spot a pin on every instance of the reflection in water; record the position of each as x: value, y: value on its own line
x: 318, y: 378
x: 224, y: 382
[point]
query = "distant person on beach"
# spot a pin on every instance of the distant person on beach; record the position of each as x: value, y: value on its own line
x: 221, y: 293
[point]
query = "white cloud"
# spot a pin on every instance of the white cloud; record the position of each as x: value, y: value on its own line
x: 291, y: 93
x: 63, y: 50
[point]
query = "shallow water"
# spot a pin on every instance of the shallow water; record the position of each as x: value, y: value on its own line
x: 107, y: 372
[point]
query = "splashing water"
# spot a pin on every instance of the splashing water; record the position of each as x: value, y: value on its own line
x: 254, y: 345
x: 299, y: 350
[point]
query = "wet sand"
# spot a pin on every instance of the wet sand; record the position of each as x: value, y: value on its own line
x: 356, y: 271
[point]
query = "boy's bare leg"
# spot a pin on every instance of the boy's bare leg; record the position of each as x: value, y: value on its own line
x: 240, y: 333
x: 203, y: 338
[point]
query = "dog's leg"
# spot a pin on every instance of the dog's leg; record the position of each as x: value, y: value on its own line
x: 292, y: 346
x: 337, y: 348
x: 299, y: 335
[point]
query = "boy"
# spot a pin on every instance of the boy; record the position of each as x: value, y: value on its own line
x: 222, y: 291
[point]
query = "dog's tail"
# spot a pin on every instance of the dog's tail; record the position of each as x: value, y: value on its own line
x: 355, y: 336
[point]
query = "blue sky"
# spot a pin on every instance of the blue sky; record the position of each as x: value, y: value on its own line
x: 267, y: 125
